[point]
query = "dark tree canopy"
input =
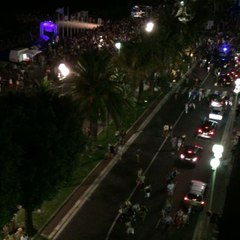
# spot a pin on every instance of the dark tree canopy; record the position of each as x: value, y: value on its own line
x: 41, y: 138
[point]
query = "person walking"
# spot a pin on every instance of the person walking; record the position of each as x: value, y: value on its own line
x: 170, y: 188
x: 172, y: 175
x: 129, y: 228
x: 166, y: 129
x: 140, y: 179
x: 174, y: 143
x: 147, y: 191
x: 186, y: 108
x: 168, y: 221
x: 120, y: 152
x: 178, y: 218
x: 185, y: 219
x: 179, y: 143
x: 138, y: 153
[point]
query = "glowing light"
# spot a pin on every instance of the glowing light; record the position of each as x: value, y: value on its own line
x: 118, y: 45
x: 215, y: 162
x: 64, y: 71
x: 217, y: 150
x: 48, y: 27
x: 149, y: 26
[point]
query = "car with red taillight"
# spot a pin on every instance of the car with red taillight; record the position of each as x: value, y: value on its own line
x: 207, y: 129
x: 190, y: 154
x: 196, y: 195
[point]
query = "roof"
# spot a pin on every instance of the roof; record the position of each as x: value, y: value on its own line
x: 197, y: 186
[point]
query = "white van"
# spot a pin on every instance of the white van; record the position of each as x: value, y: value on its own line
x: 18, y: 55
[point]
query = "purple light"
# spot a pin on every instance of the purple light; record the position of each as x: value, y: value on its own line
x: 47, y: 26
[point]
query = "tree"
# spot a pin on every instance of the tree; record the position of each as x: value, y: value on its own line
x: 132, y: 60
x: 44, y: 133
x: 98, y: 93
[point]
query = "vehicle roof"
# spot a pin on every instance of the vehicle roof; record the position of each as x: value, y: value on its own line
x: 197, y: 187
x: 191, y: 146
x: 216, y: 109
x: 209, y: 120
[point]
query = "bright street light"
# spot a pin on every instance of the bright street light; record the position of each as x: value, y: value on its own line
x: 215, y: 162
x: 149, y: 27
x: 63, y: 71
x: 118, y: 46
x: 237, y: 86
x: 217, y: 150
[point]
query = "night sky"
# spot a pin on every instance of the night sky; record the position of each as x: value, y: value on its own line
x: 106, y: 9
x: 49, y: 6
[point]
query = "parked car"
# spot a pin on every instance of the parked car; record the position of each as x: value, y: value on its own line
x: 190, y: 154
x: 224, y: 80
x: 195, y: 197
x: 207, y: 129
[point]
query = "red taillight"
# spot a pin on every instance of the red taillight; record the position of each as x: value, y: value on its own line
x: 202, y: 202
x: 195, y: 159
x: 185, y: 198
x: 182, y: 156
x: 211, y: 132
x: 189, y: 151
x: 200, y: 130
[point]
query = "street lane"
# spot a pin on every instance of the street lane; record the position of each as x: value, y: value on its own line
x: 95, y: 218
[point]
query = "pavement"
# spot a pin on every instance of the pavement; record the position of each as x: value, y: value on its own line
x: 88, y: 185
x: 76, y: 200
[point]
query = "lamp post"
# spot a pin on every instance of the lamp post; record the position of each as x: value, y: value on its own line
x: 215, y: 162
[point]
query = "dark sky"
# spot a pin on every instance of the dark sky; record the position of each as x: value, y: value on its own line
x: 106, y: 9
x: 50, y: 5
x: 74, y: 5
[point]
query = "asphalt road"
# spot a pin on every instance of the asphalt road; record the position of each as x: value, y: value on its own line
x: 98, y: 219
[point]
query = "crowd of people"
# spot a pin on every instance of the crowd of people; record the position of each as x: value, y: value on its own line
x: 68, y: 49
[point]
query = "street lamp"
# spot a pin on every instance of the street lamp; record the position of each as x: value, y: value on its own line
x: 118, y: 46
x: 149, y: 27
x: 215, y: 162
x: 63, y: 71
x: 237, y: 86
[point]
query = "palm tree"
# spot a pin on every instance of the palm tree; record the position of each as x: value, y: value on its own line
x: 98, y: 93
x: 135, y: 60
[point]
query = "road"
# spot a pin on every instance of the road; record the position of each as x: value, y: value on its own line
x: 97, y: 219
